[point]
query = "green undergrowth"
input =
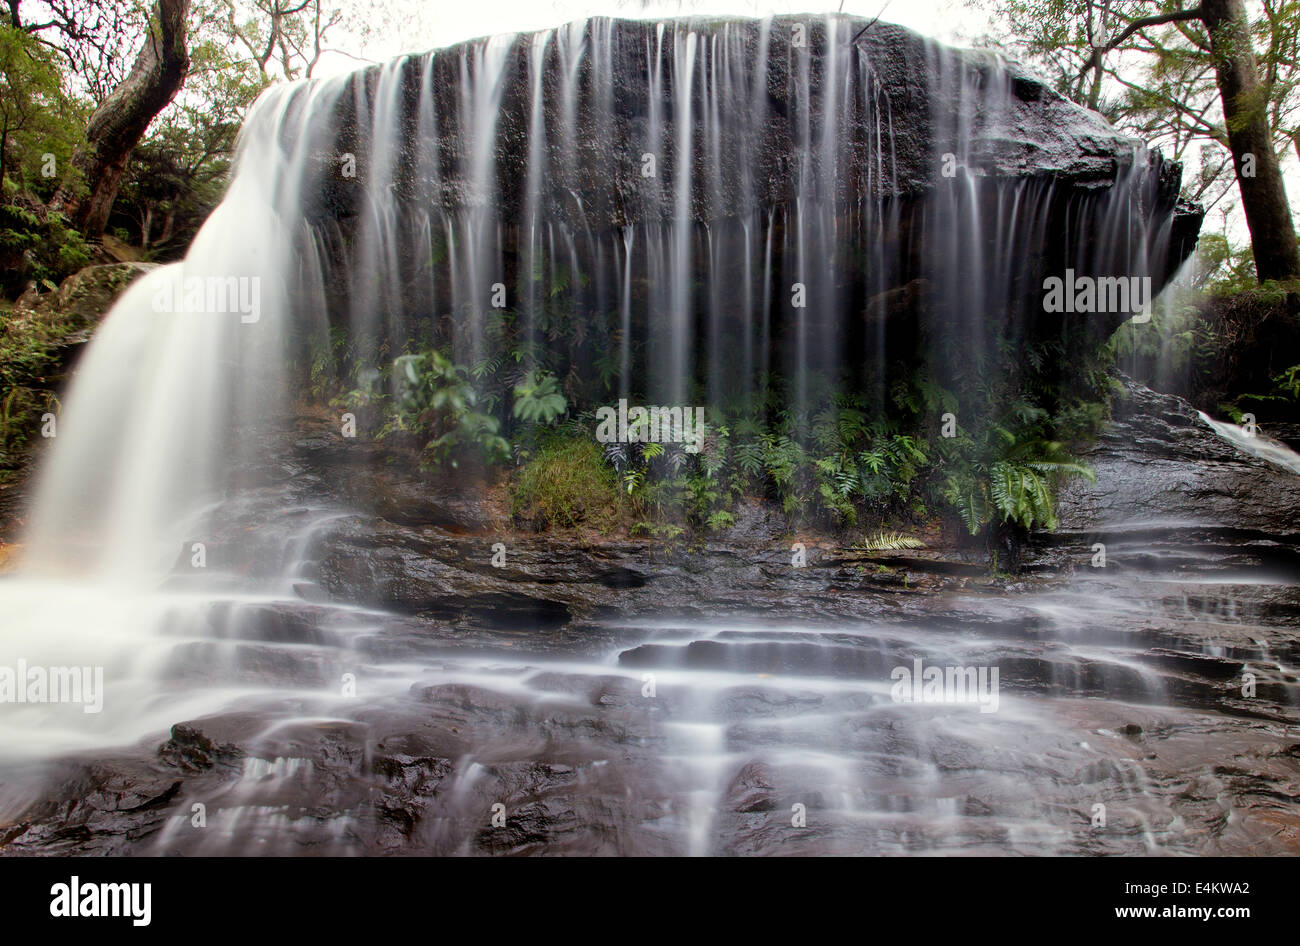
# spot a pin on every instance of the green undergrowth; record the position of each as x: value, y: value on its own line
x: 29, y: 355
x: 1232, y: 351
x: 984, y: 454
x: 568, y: 484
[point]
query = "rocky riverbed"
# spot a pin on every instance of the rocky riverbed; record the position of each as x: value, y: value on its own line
x: 390, y: 691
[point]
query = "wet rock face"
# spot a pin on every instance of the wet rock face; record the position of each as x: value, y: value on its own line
x: 927, y: 100
x: 718, y: 196
x: 1160, y: 466
x: 805, y: 107
x: 627, y: 698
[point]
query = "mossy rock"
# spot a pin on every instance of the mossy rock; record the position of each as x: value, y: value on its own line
x: 41, y: 329
x: 84, y: 297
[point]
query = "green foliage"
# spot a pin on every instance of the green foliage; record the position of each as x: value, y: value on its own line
x: 37, y: 117
x: 328, y: 360
x: 29, y: 344
x: 1220, y: 347
x: 1021, y: 494
x: 538, y: 399
x: 851, y: 462
x: 721, y: 519
x: 426, y: 396
x: 1226, y: 266
x: 567, y: 484
x: 1288, y: 383
x: 55, y: 70
x: 435, y: 400
x: 1159, y: 84
x: 841, y: 462
x: 888, y: 542
x: 40, y: 128
x: 1007, y: 476
x: 49, y: 248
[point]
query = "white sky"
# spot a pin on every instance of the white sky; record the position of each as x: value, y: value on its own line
x: 420, y: 25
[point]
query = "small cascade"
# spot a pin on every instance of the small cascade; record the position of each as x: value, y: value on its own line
x: 1248, y: 439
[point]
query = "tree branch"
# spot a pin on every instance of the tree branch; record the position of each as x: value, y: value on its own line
x: 1141, y: 23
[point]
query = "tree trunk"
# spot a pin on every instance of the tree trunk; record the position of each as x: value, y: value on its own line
x: 169, y: 224
x: 1096, y: 36
x: 121, y: 120
x: 1263, y: 195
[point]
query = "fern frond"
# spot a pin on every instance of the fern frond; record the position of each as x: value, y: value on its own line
x: 888, y: 542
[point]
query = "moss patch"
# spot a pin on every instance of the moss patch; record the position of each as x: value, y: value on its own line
x: 567, y: 484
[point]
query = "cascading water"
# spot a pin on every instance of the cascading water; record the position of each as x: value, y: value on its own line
x: 676, y: 212
x: 653, y: 209
x: 1249, y: 440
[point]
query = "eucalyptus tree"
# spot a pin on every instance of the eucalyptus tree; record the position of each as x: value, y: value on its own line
x: 1181, y: 74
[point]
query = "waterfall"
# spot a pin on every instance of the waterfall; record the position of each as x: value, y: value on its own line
x: 675, y: 211
x: 1251, y: 441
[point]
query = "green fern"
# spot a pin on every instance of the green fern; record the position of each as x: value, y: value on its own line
x: 888, y: 542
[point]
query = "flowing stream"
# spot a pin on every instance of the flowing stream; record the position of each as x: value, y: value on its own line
x: 181, y: 540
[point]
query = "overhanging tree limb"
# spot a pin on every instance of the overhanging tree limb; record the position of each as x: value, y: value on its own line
x: 1141, y: 23
x: 1155, y: 19
x: 119, y: 123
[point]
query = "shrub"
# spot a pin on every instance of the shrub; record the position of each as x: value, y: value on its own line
x: 567, y: 483
x: 538, y: 399
x: 436, y: 400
